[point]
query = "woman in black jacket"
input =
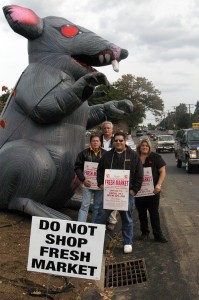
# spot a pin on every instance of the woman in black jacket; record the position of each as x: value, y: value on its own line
x: 150, y: 203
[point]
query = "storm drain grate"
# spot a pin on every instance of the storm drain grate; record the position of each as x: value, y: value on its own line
x: 125, y: 273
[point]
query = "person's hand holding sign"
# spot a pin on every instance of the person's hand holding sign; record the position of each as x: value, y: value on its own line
x: 131, y: 192
x: 87, y: 183
x: 102, y: 187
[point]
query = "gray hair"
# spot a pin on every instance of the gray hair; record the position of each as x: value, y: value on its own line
x: 107, y: 123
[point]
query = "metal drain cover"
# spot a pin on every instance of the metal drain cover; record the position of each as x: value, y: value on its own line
x: 125, y: 273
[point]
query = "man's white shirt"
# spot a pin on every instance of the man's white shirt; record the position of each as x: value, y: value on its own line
x: 106, y: 144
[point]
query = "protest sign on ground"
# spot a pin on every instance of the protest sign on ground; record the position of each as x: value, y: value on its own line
x: 66, y: 248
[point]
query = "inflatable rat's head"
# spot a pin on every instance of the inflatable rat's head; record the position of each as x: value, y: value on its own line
x: 59, y: 42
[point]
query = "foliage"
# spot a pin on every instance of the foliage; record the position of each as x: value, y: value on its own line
x: 195, y: 117
x: 181, y: 109
x: 141, y: 92
x: 151, y: 126
x: 197, y: 108
x: 4, y: 97
x: 181, y: 118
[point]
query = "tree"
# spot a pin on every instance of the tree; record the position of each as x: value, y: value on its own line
x: 151, y: 126
x: 197, y: 108
x: 195, y: 116
x: 182, y: 116
x: 4, y: 97
x: 141, y: 92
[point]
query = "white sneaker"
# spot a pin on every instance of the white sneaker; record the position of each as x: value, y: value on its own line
x: 128, y: 249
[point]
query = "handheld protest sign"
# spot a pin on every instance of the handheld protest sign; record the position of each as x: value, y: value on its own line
x: 147, y: 187
x: 90, y: 172
x: 116, y: 189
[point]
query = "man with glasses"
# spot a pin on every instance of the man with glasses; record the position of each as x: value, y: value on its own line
x: 121, y: 157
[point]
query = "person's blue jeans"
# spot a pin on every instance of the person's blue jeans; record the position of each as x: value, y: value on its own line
x: 86, y: 201
x: 126, y: 217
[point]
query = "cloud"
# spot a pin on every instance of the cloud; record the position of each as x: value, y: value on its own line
x: 162, y: 38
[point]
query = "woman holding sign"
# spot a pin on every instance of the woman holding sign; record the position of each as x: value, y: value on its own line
x: 148, y: 197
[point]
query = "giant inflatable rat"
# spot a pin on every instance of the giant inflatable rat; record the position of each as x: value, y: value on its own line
x: 44, y: 120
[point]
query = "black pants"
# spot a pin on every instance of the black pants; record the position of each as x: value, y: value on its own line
x: 150, y: 204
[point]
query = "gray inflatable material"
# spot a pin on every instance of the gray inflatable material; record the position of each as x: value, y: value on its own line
x: 46, y: 116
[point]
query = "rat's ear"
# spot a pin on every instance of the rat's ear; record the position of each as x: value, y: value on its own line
x: 23, y: 21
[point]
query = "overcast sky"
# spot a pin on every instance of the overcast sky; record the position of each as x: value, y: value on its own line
x: 162, y: 38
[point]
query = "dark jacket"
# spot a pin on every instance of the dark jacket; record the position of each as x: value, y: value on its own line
x: 128, y: 160
x: 101, y: 140
x: 86, y: 155
x: 155, y: 161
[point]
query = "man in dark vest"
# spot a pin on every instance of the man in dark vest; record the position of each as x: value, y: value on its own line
x: 107, y: 143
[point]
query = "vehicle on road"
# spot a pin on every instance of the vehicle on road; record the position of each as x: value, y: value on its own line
x: 140, y: 133
x: 164, y: 143
x: 152, y: 135
x: 155, y: 137
x: 170, y: 132
x: 144, y: 137
x: 187, y: 148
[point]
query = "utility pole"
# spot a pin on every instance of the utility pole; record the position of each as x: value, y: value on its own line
x: 174, y: 117
x: 189, y: 106
x: 168, y: 123
x: 164, y: 118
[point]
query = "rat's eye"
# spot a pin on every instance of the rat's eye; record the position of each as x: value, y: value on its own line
x: 69, y: 31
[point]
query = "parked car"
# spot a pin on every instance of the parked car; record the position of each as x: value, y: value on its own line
x: 139, y: 133
x: 144, y: 137
x: 155, y: 137
x: 164, y: 143
x: 187, y: 148
x: 152, y: 134
x: 170, y: 132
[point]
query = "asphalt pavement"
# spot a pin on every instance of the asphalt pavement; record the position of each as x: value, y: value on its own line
x: 172, y: 269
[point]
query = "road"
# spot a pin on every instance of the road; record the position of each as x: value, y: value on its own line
x: 173, y: 268
x: 180, y: 204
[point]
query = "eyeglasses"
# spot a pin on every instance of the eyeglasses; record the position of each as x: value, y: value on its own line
x: 118, y: 141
